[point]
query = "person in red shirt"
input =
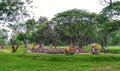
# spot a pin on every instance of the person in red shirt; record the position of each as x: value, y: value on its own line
x: 2, y: 47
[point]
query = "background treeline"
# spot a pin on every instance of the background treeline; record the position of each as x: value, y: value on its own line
x: 72, y: 27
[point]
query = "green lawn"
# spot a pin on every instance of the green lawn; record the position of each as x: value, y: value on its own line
x: 19, y: 50
x: 114, y: 49
x: 46, y: 62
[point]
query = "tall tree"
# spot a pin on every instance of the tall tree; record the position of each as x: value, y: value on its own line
x: 108, y: 22
x: 12, y: 13
x: 75, y: 25
x: 33, y: 28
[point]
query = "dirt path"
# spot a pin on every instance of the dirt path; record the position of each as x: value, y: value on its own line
x: 84, y: 53
x: 103, y: 54
x: 5, y: 51
x: 114, y: 54
x: 110, y: 54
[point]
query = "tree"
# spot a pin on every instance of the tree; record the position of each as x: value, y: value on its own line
x: 43, y: 33
x: 112, y: 11
x: 32, y: 30
x: 12, y: 13
x: 107, y: 22
x: 36, y: 28
x: 75, y: 26
x: 3, y: 36
x: 115, y: 38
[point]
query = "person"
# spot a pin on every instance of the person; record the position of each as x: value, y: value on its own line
x: 67, y: 49
x: 93, y: 50
x: 72, y: 50
x: 33, y: 48
x: 96, y: 47
x: 2, y: 47
x: 42, y: 45
x: 51, y: 45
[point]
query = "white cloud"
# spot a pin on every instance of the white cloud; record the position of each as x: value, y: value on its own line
x: 49, y: 8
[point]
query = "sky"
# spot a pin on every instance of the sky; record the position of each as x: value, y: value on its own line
x: 49, y: 8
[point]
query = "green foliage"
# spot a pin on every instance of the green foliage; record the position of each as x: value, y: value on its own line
x: 11, y: 11
x: 108, y: 23
x: 75, y: 25
x: 35, y: 30
x: 112, y: 12
x: 21, y: 36
x: 115, y: 38
x: 19, y: 42
x: 3, y: 36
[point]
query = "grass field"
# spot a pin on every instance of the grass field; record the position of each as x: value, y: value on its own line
x: 46, y: 62
x: 115, y: 49
x: 60, y: 62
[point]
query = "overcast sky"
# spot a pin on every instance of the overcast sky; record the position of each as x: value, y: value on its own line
x: 49, y: 8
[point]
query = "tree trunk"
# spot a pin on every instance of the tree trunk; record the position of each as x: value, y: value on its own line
x: 40, y: 45
x: 14, y: 46
x: 25, y: 43
x: 55, y: 44
x: 73, y: 42
x: 104, y: 41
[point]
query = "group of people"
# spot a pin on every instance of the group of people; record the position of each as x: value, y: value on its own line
x: 94, y: 49
x: 68, y: 49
